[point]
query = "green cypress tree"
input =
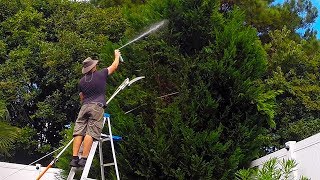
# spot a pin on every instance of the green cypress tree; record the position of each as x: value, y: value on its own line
x: 218, y: 121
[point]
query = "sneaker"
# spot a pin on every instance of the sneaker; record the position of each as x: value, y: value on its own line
x: 74, y: 162
x: 82, y: 162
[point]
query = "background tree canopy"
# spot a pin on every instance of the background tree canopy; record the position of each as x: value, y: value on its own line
x: 244, y: 81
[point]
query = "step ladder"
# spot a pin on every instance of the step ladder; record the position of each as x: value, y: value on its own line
x: 103, y: 138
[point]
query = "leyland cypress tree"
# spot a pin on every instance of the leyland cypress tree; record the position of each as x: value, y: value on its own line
x: 217, y: 122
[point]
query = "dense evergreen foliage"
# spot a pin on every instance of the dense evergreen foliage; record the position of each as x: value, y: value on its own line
x: 243, y: 80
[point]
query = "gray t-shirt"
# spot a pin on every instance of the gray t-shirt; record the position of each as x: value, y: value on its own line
x: 93, y: 86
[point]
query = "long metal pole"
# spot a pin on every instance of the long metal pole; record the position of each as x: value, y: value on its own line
x: 54, y: 160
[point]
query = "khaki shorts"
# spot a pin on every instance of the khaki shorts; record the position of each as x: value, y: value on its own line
x: 89, y: 121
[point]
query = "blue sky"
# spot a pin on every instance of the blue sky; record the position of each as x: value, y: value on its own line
x: 316, y: 25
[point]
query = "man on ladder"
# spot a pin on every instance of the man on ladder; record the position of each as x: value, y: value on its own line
x: 89, y: 123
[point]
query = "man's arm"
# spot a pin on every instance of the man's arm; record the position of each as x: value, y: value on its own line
x: 81, y: 97
x: 115, y: 63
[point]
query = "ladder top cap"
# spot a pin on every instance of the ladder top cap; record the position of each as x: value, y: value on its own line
x: 106, y: 115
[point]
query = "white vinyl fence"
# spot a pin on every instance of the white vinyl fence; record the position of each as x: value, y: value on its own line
x: 306, y: 153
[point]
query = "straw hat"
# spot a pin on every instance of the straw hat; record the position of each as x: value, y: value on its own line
x: 88, y: 64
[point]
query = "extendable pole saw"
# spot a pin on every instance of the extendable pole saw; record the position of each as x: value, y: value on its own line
x: 124, y: 84
x: 152, y: 29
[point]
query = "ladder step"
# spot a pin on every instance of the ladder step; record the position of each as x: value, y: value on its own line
x: 76, y: 168
x: 105, y: 137
x: 108, y: 164
x: 117, y: 138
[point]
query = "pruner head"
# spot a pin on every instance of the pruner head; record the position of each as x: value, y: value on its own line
x: 124, y: 84
x: 127, y: 82
x: 135, y: 79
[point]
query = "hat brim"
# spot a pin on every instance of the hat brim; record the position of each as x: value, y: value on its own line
x: 87, y: 69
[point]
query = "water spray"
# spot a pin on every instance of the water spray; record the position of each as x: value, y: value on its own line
x: 152, y: 29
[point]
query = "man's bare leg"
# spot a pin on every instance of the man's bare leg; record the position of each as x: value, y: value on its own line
x: 76, y: 145
x: 87, y: 143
